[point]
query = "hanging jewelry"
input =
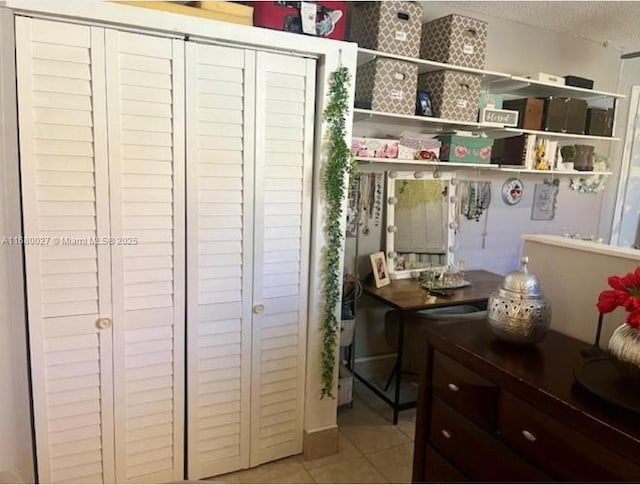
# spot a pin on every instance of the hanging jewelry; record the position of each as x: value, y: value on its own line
x: 377, y: 199
x: 365, y: 188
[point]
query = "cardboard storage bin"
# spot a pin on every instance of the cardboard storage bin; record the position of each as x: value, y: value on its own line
x: 455, y: 39
x: 345, y: 386
x: 529, y: 112
x: 392, y: 27
x: 223, y: 11
x: 465, y: 149
x: 454, y: 94
x: 387, y: 85
x: 320, y: 18
x: 599, y: 122
x: 564, y: 115
x: 347, y: 331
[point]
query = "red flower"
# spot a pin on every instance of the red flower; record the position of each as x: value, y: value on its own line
x: 609, y: 300
x: 633, y: 320
x: 625, y: 293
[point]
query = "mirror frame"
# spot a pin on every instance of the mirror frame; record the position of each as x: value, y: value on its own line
x: 390, y: 228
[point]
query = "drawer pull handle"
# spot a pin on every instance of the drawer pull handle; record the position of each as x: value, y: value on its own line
x: 447, y: 434
x: 529, y: 435
x: 453, y: 387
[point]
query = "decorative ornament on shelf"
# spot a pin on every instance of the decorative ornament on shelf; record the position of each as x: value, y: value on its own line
x: 624, y: 345
x: 339, y: 165
x: 512, y: 191
x: 593, y: 183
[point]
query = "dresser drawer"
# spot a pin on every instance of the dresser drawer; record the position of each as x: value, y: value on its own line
x: 468, y: 392
x: 474, y: 451
x: 439, y: 470
x: 559, y: 449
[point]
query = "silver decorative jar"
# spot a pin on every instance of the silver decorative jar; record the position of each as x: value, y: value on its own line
x: 624, y: 349
x: 518, y: 312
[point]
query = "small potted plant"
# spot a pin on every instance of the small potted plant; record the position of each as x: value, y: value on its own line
x: 568, y: 154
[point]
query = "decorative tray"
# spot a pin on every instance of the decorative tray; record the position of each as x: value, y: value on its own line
x: 438, y: 285
x: 600, y: 377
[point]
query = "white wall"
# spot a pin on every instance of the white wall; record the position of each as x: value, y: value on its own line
x: 572, y: 274
x: 517, y: 49
x: 623, y: 229
x: 16, y: 452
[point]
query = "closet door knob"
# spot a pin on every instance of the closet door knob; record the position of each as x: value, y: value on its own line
x: 453, y: 387
x: 447, y: 434
x: 103, y: 323
x: 258, y: 309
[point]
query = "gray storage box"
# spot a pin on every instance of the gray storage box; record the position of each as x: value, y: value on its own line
x: 454, y: 94
x: 392, y: 27
x: 455, y: 39
x: 387, y: 85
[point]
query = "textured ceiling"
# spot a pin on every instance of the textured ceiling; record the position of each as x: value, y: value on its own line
x: 617, y: 23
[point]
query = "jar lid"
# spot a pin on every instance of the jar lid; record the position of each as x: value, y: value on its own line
x: 521, y: 284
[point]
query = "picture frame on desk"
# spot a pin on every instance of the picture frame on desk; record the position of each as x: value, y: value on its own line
x: 380, y: 270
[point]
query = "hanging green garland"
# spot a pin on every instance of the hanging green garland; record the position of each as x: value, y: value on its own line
x: 339, y: 165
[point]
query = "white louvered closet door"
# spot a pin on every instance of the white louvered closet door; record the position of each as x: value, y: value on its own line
x: 285, y: 99
x: 220, y: 111
x: 63, y: 158
x: 145, y: 109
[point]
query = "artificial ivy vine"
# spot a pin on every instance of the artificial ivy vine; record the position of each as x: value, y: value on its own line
x: 339, y: 165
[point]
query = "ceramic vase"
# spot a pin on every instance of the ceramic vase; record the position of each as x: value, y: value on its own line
x: 624, y: 348
x: 584, y: 158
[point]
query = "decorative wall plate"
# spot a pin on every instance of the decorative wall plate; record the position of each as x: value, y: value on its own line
x: 512, y: 191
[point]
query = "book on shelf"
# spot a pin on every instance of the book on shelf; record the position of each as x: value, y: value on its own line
x: 522, y: 151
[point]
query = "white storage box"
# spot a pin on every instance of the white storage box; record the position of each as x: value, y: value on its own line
x: 345, y: 386
x: 347, y: 329
x: 547, y: 78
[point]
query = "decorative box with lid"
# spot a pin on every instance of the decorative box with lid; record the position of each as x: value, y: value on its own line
x: 518, y: 312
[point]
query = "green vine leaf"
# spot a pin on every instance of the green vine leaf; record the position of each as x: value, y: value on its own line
x: 339, y: 165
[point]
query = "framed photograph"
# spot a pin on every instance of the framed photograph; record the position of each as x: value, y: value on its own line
x: 544, y: 202
x: 380, y: 271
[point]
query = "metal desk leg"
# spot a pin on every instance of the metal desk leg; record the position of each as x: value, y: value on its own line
x: 396, y: 400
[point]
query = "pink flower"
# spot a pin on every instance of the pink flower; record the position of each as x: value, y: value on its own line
x: 485, y: 153
x: 392, y: 151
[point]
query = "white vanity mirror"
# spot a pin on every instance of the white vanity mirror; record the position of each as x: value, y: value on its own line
x: 420, y: 222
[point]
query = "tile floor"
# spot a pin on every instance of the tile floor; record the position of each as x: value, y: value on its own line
x: 371, y: 450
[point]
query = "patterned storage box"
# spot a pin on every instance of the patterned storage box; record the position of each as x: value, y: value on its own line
x: 388, y: 85
x: 392, y: 27
x: 454, y: 95
x: 455, y: 39
x: 374, y: 147
x: 465, y: 149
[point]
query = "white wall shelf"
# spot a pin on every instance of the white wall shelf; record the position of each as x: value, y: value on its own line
x: 552, y: 134
x: 366, y: 55
x: 434, y: 125
x: 521, y: 86
x: 498, y: 82
x: 398, y: 164
x: 392, y: 125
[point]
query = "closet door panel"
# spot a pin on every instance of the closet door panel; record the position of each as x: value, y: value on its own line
x: 284, y: 150
x: 220, y: 105
x: 145, y: 87
x: 63, y: 158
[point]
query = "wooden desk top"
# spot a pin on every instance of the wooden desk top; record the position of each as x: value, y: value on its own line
x: 541, y: 375
x: 408, y: 295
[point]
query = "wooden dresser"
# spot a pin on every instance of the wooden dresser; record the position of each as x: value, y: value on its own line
x: 489, y: 411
